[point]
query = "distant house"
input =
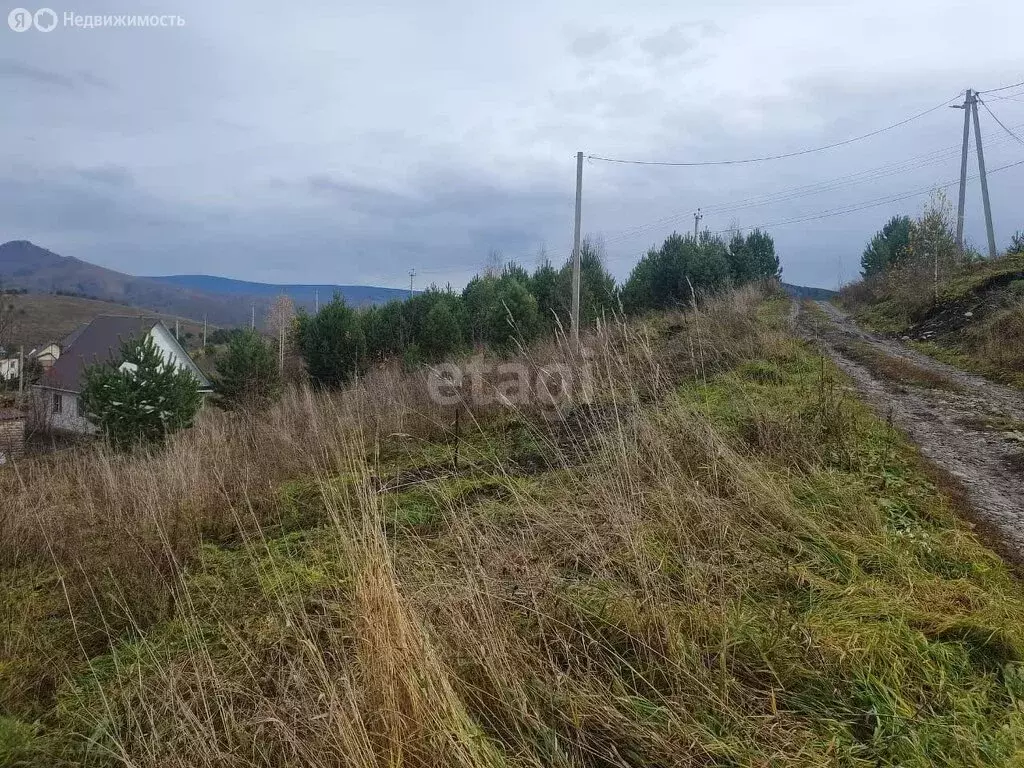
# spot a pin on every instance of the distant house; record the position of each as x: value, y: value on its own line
x: 100, y: 341
x: 47, y: 355
x: 10, y: 367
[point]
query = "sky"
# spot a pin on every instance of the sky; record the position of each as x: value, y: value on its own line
x: 332, y: 142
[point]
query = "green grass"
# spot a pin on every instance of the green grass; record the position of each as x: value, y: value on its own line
x: 752, y: 569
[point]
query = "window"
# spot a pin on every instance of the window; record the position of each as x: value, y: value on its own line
x: 57, y: 402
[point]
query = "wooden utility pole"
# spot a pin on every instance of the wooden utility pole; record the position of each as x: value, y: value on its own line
x: 575, y: 320
x: 280, y: 350
x: 697, y: 216
x: 21, y: 375
x: 984, y: 178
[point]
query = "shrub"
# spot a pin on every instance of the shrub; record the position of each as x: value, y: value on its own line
x: 332, y: 343
x: 139, y: 399
x: 249, y: 376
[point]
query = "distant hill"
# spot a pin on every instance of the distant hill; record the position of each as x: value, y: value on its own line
x: 222, y: 301
x: 302, y: 295
x: 808, y: 292
x: 42, y: 318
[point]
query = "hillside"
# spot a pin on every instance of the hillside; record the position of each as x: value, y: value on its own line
x: 40, y: 318
x: 302, y: 295
x: 710, y: 555
x: 974, y: 320
x: 808, y: 292
x: 222, y: 301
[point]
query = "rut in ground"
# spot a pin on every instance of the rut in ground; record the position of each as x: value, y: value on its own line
x: 967, y: 425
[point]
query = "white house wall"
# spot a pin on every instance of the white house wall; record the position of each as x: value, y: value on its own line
x: 67, y: 419
x: 9, y: 369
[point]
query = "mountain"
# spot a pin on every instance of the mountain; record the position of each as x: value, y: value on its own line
x: 808, y: 292
x: 222, y: 301
x: 302, y: 295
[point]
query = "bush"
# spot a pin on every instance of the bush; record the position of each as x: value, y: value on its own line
x: 669, y: 277
x: 139, y: 399
x: 332, y: 343
x: 249, y: 376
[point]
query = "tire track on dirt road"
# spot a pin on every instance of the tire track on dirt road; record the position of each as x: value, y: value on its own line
x: 972, y: 428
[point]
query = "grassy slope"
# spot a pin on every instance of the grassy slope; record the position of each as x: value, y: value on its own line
x: 44, y: 317
x: 738, y: 568
x: 990, y: 341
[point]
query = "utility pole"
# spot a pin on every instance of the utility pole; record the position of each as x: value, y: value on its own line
x: 412, y: 274
x: 21, y: 374
x: 963, y: 171
x: 316, y: 301
x: 204, y: 331
x: 280, y: 347
x: 575, y: 322
x: 984, y: 178
x: 176, y: 330
x: 252, y: 323
x: 697, y: 216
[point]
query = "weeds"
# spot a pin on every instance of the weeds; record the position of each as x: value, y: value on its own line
x: 722, y: 560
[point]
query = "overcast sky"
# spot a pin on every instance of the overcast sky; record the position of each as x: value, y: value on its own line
x: 333, y: 142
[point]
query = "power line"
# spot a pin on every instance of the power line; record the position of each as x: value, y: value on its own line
x: 987, y: 109
x: 1002, y: 88
x: 781, y: 156
x: 854, y: 207
x: 785, y: 195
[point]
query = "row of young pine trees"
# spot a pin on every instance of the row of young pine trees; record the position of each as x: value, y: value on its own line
x: 500, y: 310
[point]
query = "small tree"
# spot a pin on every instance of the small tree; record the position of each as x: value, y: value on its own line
x: 139, y: 398
x: 280, y: 324
x: 248, y: 375
x: 1016, y: 243
x: 889, y: 246
x: 333, y: 344
x: 764, y: 263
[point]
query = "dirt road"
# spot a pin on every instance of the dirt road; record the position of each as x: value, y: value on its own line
x: 967, y: 425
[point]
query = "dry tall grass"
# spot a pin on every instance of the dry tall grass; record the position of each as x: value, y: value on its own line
x: 659, y: 577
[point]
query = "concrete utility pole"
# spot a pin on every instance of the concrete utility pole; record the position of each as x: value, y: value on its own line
x: 963, y: 171
x: 697, y: 216
x: 176, y: 331
x: 984, y: 179
x: 316, y: 301
x: 575, y: 321
x: 252, y: 323
x: 21, y: 375
x: 204, y: 330
x: 412, y: 274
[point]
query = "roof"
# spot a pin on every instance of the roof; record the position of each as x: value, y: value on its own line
x: 98, y: 342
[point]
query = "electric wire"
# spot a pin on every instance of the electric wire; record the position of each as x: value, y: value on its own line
x: 1001, y: 125
x: 1002, y: 88
x: 781, y: 156
x: 786, y: 195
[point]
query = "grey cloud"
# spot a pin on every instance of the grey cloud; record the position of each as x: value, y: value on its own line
x: 112, y: 175
x: 16, y: 70
x: 244, y: 144
x: 595, y: 43
x: 677, y: 41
